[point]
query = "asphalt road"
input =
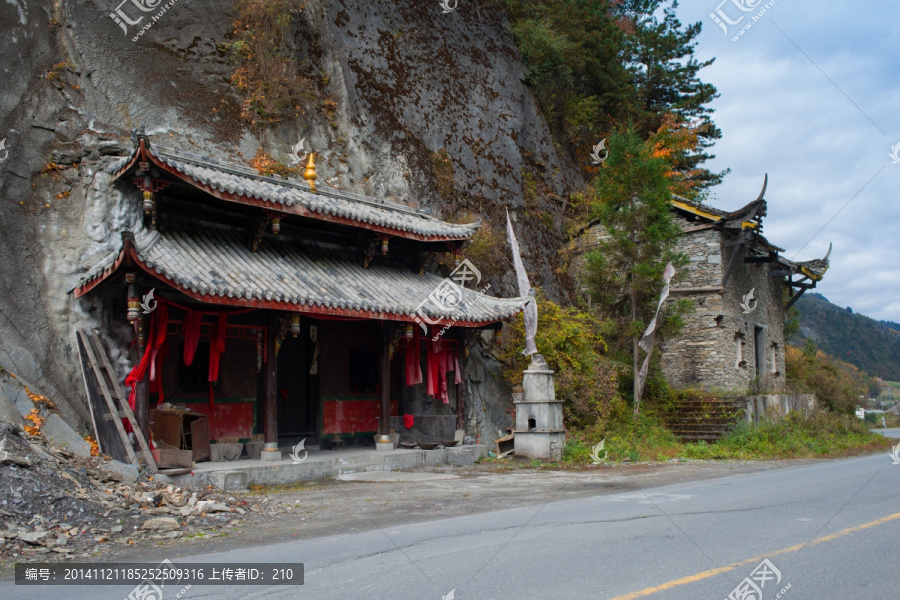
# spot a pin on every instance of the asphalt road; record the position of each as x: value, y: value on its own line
x: 830, y: 529
x: 890, y: 432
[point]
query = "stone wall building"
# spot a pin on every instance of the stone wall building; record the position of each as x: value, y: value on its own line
x: 741, y: 286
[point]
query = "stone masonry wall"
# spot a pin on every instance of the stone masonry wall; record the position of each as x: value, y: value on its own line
x: 717, y: 347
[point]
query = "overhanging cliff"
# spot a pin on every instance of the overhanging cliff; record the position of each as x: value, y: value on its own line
x: 428, y: 109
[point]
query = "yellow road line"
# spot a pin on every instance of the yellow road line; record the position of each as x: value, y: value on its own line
x: 711, y: 572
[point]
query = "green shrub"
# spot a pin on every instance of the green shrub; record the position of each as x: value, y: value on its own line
x: 571, y: 341
x: 836, y: 384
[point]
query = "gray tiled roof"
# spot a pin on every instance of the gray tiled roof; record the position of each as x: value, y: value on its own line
x: 215, y: 260
x: 285, y: 193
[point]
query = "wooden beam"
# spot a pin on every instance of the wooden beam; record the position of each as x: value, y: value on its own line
x: 697, y: 290
x: 699, y: 228
x: 270, y: 426
x: 738, y: 249
x: 460, y: 390
x: 759, y: 259
x: 142, y: 388
x: 794, y: 298
x: 384, y: 423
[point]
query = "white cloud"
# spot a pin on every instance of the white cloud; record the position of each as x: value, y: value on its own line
x: 781, y: 115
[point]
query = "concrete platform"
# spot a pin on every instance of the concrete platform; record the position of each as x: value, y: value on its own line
x: 395, y: 477
x: 320, y: 464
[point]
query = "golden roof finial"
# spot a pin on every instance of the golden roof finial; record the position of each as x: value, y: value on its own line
x: 310, y: 173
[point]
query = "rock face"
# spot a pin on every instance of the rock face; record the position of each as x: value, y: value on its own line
x: 413, y: 88
x: 489, y: 403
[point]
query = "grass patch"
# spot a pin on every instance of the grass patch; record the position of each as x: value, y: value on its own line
x: 818, y: 435
x: 641, y: 438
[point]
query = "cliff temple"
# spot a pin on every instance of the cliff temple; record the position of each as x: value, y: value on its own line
x: 285, y: 307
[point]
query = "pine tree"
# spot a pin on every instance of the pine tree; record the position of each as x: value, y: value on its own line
x: 572, y: 51
x: 632, y: 196
x: 660, y: 55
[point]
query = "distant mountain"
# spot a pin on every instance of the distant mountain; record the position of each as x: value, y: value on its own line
x: 889, y: 324
x: 870, y: 345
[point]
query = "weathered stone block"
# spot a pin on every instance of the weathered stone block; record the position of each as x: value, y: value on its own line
x: 58, y: 433
x: 230, y: 481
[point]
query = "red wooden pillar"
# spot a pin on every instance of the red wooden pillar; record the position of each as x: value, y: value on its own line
x: 270, y: 425
x: 384, y: 423
x: 142, y: 388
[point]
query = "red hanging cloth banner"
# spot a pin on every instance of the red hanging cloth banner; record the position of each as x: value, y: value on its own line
x: 161, y: 316
x: 433, y: 355
x: 216, y: 348
x: 445, y: 365
x: 413, y: 366
x: 192, y: 321
x: 159, y: 348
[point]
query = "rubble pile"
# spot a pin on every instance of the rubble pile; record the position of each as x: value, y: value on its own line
x: 53, y: 501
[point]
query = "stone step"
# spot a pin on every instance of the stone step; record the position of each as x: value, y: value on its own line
x: 356, y: 459
x: 680, y: 422
x: 701, y: 411
x: 709, y: 404
x: 698, y: 429
x: 363, y: 467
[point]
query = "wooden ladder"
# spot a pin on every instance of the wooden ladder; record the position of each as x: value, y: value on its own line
x: 108, y: 404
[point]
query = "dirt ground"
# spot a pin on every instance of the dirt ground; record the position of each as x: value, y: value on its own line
x: 311, y: 509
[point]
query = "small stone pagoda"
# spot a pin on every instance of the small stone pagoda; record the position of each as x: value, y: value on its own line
x: 539, y: 415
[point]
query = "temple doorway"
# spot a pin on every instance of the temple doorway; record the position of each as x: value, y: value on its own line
x: 295, y: 395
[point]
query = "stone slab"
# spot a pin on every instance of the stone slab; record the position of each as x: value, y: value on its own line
x: 129, y: 473
x: 230, y: 481
x: 461, y: 457
x: 268, y: 456
x: 9, y: 413
x: 58, y: 433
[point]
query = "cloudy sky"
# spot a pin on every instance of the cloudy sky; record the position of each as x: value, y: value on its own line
x: 810, y: 94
